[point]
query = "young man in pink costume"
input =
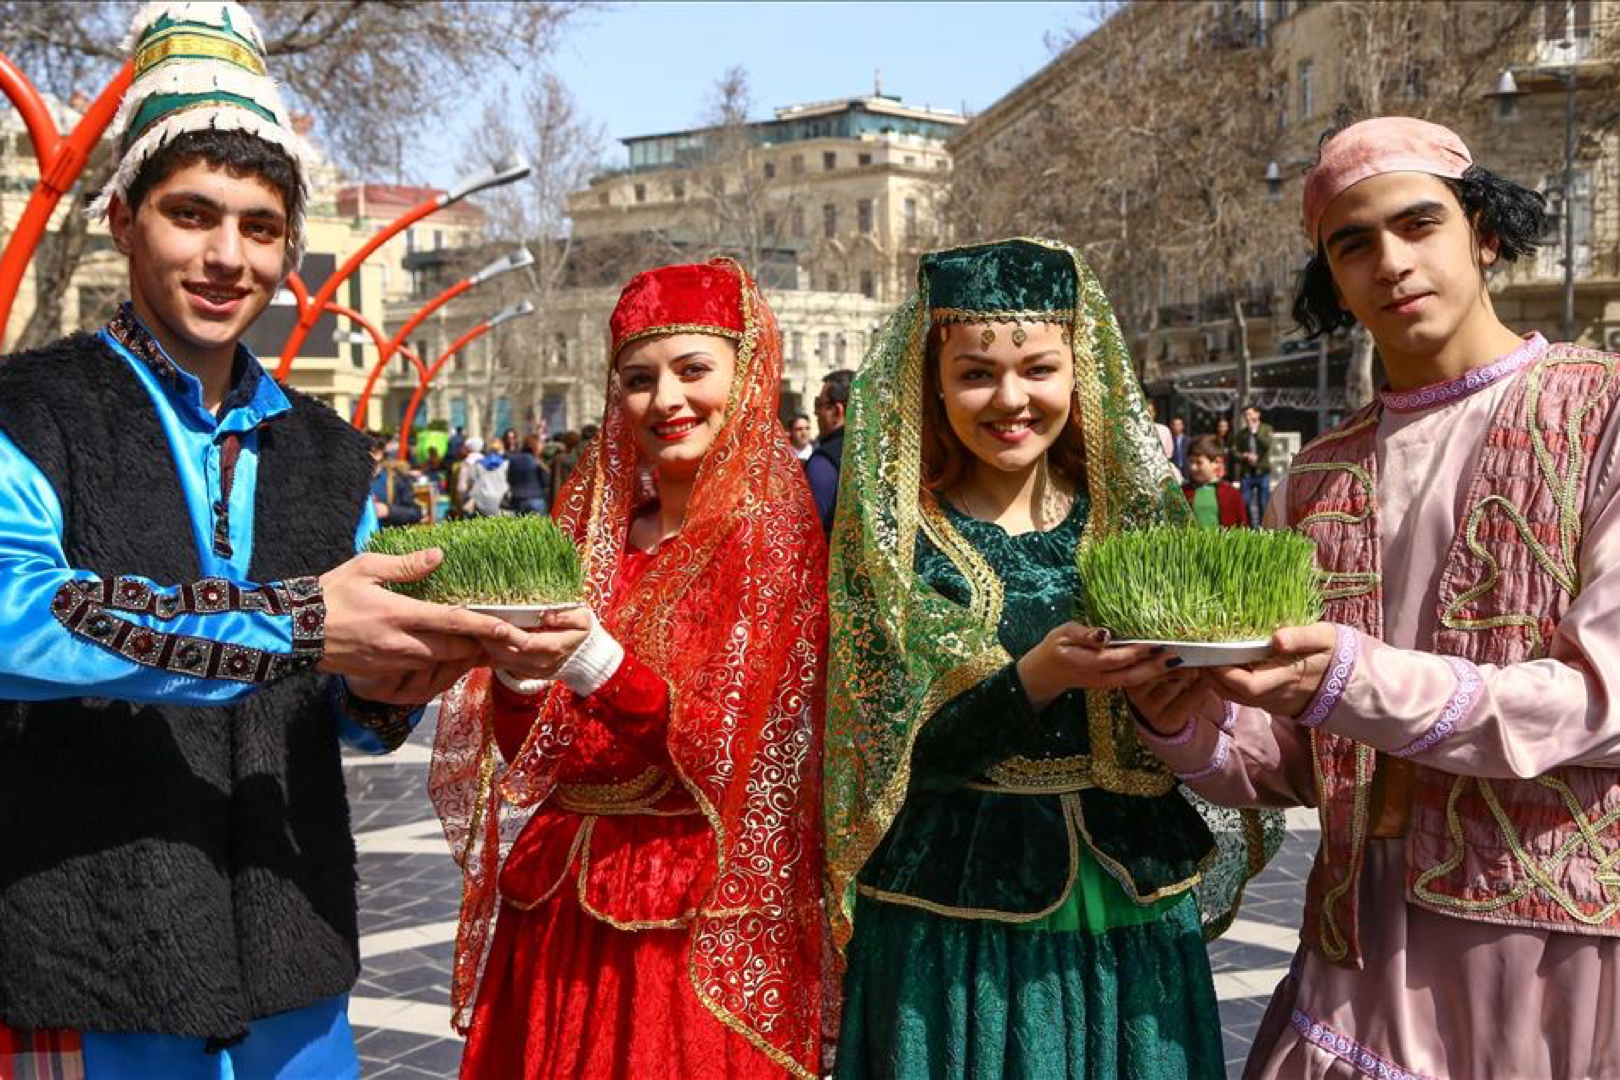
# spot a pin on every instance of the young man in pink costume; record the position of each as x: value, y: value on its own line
x: 1451, y: 719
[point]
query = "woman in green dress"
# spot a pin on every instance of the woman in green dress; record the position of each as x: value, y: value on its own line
x: 1012, y: 877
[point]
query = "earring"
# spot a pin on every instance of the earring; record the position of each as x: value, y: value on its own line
x: 987, y: 338
x: 1019, y: 336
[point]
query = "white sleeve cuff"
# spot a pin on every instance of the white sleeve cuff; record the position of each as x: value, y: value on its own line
x: 593, y: 661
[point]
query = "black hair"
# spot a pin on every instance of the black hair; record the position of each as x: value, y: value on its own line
x: 836, y: 383
x: 800, y: 416
x: 237, y: 152
x: 1515, y: 217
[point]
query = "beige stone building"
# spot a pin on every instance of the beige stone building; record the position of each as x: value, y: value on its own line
x: 1310, y: 58
x: 829, y: 202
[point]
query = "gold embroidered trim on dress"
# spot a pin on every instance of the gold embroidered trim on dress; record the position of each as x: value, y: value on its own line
x: 1334, y: 944
x: 1045, y: 776
x: 1120, y: 873
x: 556, y: 887
x: 992, y: 914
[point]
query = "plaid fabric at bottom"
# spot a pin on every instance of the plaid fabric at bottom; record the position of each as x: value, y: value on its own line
x: 50, y: 1054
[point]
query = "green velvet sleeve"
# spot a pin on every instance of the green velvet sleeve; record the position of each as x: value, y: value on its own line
x: 978, y: 728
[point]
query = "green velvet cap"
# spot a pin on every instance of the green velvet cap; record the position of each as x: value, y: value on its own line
x: 1009, y: 280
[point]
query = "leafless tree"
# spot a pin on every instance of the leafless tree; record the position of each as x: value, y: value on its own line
x: 373, y: 75
x: 562, y: 148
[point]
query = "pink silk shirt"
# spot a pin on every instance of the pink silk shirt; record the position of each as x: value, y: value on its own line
x: 1440, y: 996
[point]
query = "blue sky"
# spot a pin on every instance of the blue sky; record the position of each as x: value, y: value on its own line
x: 645, y: 68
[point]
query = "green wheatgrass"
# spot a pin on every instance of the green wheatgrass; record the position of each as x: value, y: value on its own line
x: 1171, y: 583
x: 494, y: 560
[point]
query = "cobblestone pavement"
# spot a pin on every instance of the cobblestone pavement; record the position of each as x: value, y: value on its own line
x: 408, y: 899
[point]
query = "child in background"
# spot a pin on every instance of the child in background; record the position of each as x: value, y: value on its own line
x: 1216, y: 503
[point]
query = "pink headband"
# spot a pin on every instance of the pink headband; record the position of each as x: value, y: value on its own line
x: 1374, y: 147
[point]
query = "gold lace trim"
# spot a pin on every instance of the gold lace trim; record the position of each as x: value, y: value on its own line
x: 969, y: 315
x: 1335, y: 946
x: 679, y: 328
x: 1046, y: 776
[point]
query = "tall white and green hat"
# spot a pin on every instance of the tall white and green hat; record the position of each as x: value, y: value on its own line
x: 200, y: 66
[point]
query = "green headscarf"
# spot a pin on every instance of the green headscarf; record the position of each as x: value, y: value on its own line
x: 899, y: 649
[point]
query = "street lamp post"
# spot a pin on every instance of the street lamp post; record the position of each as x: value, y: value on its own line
x: 516, y: 311
x: 517, y: 260
x: 509, y: 171
x: 1507, y: 90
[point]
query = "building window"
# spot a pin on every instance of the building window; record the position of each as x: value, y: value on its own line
x: 829, y: 160
x: 438, y: 239
x: 641, y: 193
x: 821, y: 347
x: 840, y: 355
x: 796, y: 164
x: 863, y: 217
x: 560, y: 352
x: 908, y: 218
x: 797, y: 220
x: 769, y: 225
x: 677, y: 188
x: 910, y: 161
x: 829, y: 220
x: 863, y: 159
x: 602, y: 199
x: 798, y: 345
x: 868, y: 285
x: 833, y: 284
x: 1307, y: 91
x: 770, y: 170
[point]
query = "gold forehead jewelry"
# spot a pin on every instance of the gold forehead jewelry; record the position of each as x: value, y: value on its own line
x: 1019, y: 336
x: 987, y: 338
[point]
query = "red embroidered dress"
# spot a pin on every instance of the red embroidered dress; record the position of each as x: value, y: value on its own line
x: 658, y: 913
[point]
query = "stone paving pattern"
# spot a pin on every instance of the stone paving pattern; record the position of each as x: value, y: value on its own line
x: 409, y: 887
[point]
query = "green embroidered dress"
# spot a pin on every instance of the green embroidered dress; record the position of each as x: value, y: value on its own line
x: 1013, y: 892
x: 1047, y: 968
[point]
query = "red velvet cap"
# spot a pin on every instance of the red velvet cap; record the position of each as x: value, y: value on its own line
x: 697, y: 298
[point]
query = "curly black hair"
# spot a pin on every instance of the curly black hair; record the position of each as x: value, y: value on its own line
x: 1514, y: 216
x: 237, y: 152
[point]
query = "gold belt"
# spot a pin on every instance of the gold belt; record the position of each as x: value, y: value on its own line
x: 627, y: 797
x: 1037, y: 776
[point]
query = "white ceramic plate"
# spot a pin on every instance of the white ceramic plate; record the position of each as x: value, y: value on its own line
x: 521, y: 616
x: 1213, y: 653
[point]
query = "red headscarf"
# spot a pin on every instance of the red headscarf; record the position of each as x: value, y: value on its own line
x: 745, y: 678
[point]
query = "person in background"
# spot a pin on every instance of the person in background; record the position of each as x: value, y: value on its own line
x: 391, y: 488
x: 509, y: 442
x: 1178, y: 444
x: 825, y: 460
x: 1252, y: 448
x: 1223, y: 435
x: 525, y: 481
x: 488, y: 488
x: 1216, y: 504
x: 466, y: 472
x: 458, y: 439
x: 799, y: 437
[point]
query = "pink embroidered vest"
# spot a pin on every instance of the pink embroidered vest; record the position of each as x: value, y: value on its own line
x: 1535, y: 853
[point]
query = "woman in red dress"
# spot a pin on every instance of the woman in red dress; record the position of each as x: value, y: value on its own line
x: 659, y: 909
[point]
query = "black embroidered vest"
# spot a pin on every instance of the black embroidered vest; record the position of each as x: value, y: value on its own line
x: 171, y: 869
